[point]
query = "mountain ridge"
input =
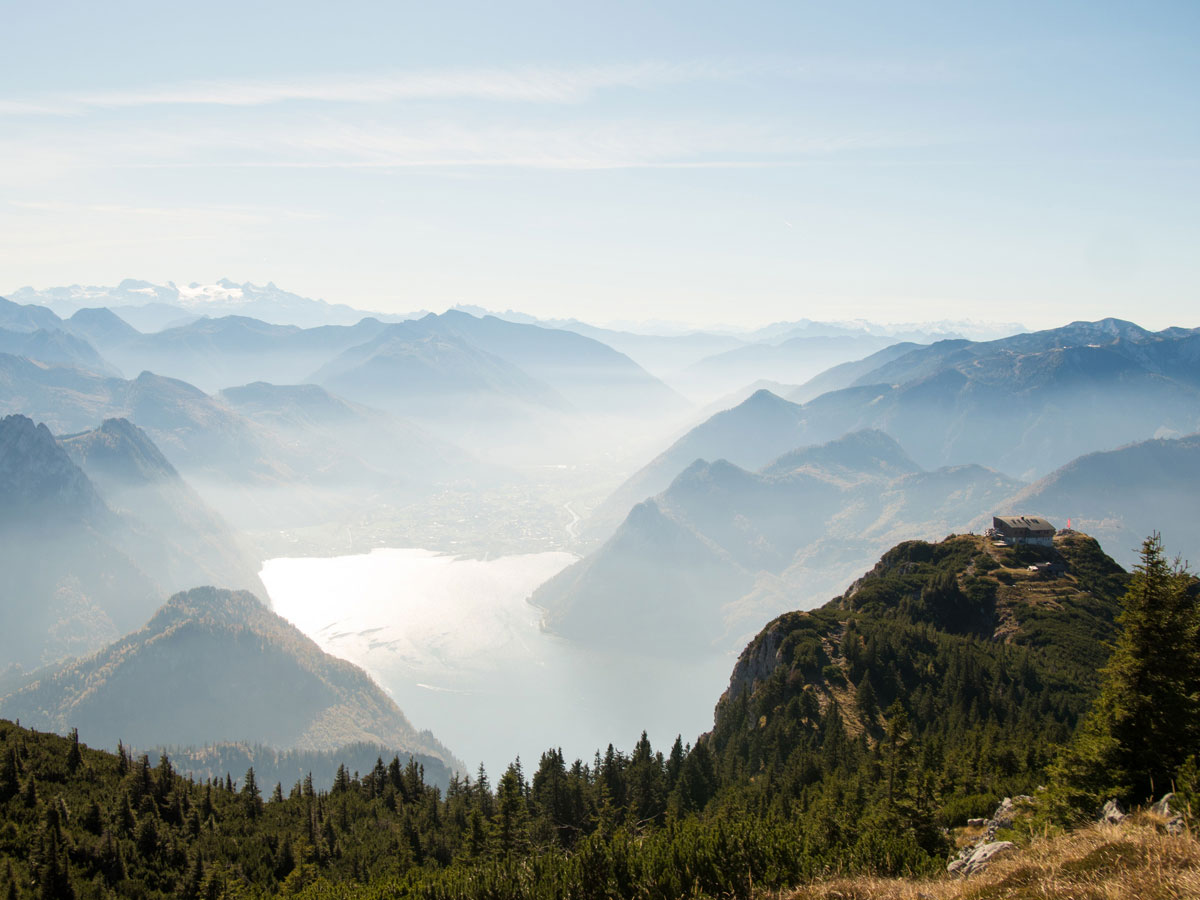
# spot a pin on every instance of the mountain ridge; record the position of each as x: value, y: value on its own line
x: 209, y: 665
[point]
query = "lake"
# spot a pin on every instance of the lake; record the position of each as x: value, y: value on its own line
x: 459, y: 649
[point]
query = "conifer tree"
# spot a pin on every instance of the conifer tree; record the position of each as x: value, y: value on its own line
x: 251, y: 795
x: 675, y: 762
x: 10, y: 769
x: 865, y: 700
x: 1147, y: 717
x: 74, y: 756
x: 195, y: 878
x: 54, y: 881
x: 12, y: 892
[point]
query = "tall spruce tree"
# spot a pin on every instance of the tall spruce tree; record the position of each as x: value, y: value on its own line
x: 1146, y: 719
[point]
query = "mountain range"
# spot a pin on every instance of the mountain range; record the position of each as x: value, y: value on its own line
x: 170, y: 303
x: 723, y: 547
x: 510, y: 385
x: 267, y: 456
x: 1023, y: 405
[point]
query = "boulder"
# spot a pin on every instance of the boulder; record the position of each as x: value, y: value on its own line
x: 1004, y: 814
x: 1112, y: 813
x: 980, y: 857
x: 976, y: 823
x: 1163, y: 806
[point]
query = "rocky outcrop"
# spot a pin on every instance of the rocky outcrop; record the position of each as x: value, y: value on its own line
x: 972, y: 859
x: 756, y: 663
x: 1112, y: 813
x: 1174, y: 823
x: 979, y: 857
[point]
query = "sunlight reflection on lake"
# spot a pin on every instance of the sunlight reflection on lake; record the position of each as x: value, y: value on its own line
x: 460, y: 650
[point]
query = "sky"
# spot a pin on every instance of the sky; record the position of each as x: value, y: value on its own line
x: 700, y: 162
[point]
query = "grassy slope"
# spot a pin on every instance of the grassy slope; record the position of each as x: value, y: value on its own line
x: 1101, y: 862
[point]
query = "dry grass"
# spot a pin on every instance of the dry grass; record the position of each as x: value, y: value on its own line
x: 1101, y: 862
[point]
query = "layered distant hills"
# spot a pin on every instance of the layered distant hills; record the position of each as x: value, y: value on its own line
x: 411, y: 366
x: 1023, y: 405
x: 723, y: 547
x: 741, y: 519
x: 268, y: 456
x: 211, y: 666
x: 511, y: 385
x: 96, y: 530
x: 150, y: 307
x: 1123, y: 495
x: 180, y: 540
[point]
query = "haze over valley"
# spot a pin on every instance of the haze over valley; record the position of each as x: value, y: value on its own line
x: 537, y: 451
x: 495, y: 518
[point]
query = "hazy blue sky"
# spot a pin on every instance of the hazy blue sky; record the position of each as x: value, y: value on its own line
x: 732, y: 162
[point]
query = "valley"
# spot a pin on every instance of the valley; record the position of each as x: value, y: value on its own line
x: 590, y: 451
x: 588, y: 614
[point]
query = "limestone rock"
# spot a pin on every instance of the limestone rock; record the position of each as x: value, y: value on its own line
x: 980, y: 857
x: 1112, y: 813
x: 1163, y: 806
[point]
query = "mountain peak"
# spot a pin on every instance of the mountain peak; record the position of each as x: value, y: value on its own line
x: 261, y: 679
x: 215, y: 606
x: 967, y: 584
x: 121, y: 452
x: 36, y: 474
x: 866, y: 452
x: 152, y: 381
x: 763, y: 398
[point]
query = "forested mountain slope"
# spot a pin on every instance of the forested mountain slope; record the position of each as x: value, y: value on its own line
x: 215, y: 665
x: 983, y: 664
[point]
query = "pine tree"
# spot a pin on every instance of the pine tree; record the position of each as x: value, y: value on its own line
x: 675, y: 762
x: 646, y: 783
x: 511, y: 814
x: 10, y: 770
x: 74, y: 756
x: 12, y: 892
x: 54, y: 881
x: 865, y: 701
x: 341, y: 781
x: 1147, y: 717
x: 111, y: 861
x: 195, y: 878
x: 251, y: 796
